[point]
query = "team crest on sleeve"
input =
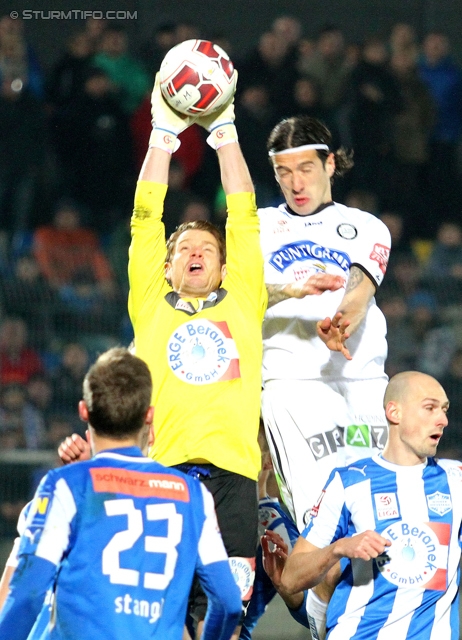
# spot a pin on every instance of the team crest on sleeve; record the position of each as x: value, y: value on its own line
x: 347, y: 231
x: 203, y: 352
x: 381, y: 253
x: 418, y: 555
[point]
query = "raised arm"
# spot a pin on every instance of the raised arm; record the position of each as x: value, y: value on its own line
x: 167, y: 125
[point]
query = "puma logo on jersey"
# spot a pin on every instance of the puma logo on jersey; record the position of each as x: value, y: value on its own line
x: 358, y: 469
x: 31, y: 535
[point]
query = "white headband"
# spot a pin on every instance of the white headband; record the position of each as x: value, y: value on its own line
x: 304, y: 147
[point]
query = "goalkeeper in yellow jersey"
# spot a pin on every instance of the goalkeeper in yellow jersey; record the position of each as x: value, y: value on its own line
x: 197, y: 307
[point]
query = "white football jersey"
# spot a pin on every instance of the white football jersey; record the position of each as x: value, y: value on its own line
x: 296, y: 247
x: 410, y: 591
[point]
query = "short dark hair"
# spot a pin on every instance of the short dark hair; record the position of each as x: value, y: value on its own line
x: 117, y: 391
x: 300, y: 130
x: 200, y: 225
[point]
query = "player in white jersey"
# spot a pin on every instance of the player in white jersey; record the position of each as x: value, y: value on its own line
x: 119, y: 537
x: 324, y: 354
x: 393, y: 521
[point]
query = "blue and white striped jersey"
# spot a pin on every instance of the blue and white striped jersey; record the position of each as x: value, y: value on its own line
x: 119, y: 537
x: 411, y: 590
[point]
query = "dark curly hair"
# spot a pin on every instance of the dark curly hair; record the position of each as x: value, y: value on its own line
x: 300, y: 130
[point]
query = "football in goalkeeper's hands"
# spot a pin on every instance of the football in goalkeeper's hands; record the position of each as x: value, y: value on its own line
x: 197, y: 77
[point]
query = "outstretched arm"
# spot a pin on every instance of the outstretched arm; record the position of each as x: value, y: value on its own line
x: 312, y: 286
x: 308, y: 565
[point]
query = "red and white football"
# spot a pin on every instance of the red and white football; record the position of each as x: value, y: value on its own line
x: 197, y: 77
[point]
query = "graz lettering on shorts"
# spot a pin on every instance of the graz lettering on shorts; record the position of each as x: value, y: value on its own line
x: 327, y: 443
x: 306, y: 250
x: 417, y: 556
x: 203, y: 352
x: 140, y: 608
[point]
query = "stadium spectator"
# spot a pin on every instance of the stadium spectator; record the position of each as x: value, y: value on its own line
x: 403, y: 40
x: 68, y: 377
x: 444, y: 264
x: 60, y: 425
x: 329, y: 66
x: 271, y: 63
x: 98, y: 132
x: 411, y: 136
x: 402, y: 342
x: 374, y: 101
x: 18, y: 361
x: 39, y: 391
x: 306, y: 101
x: 21, y: 120
x: 26, y: 293
x: 125, y: 72
x: 451, y: 381
x: 443, y: 78
x: 21, y: 56
x: 289, y: 28
x: 153, y: 50
x: 94, y: 29
x: 66, y: 79
x: 71, y: 259
x: 400, y: 236
x: 22, y: 426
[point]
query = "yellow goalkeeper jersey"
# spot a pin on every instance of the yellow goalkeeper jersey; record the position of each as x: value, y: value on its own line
x: 205, y: 364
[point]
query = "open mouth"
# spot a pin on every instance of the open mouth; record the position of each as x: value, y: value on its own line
x: 195, y: 266
x: 436, y: 437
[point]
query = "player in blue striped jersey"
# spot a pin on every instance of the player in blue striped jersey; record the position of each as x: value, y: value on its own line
x: 271, y: 518
x: 394, y: 522
x: 119, y: 537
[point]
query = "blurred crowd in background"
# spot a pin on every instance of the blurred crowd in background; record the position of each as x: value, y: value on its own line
x: 72, y: 139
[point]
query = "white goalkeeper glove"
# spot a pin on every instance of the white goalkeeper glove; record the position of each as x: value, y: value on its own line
x: 221, y: 125
x: 167, y: 123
